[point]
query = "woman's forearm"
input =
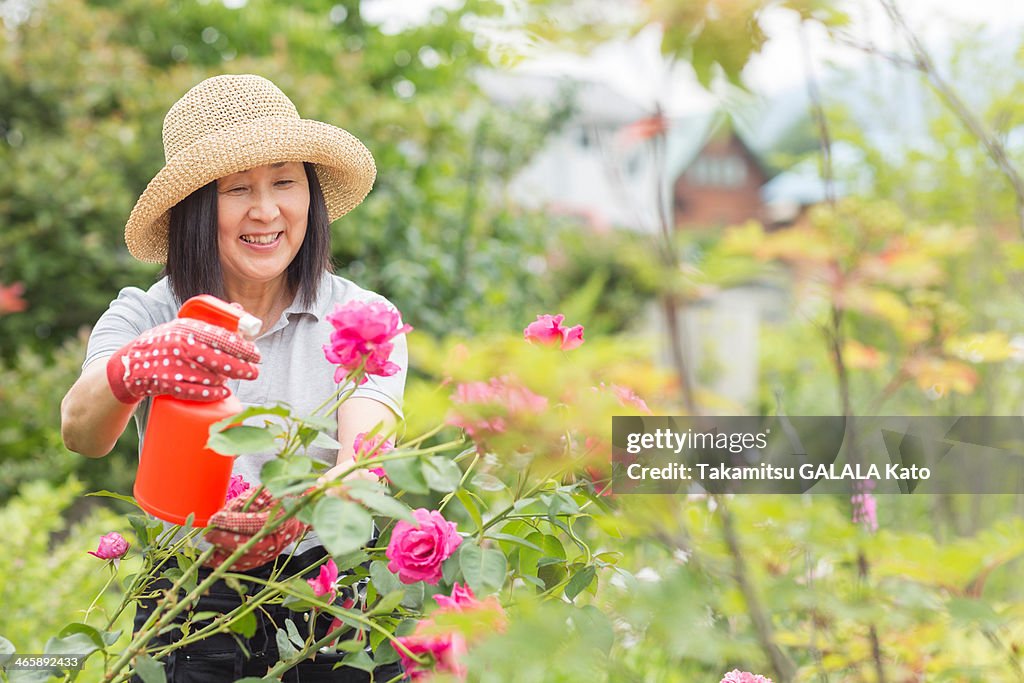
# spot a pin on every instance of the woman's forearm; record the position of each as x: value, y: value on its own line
x: 91, y: 419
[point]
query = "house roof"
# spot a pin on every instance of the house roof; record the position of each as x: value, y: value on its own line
x: 688, y: 136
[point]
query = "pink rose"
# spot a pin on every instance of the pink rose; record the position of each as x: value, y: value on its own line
x: 462, y: 596
x: 362, y: 336
x: 462, y: 599
x: 323, y: 584
x: 547, y: 330
x: 112, y: 547
x: 371, y: 448
x: 487, y: 405
x: 628, y: 397
x: 445, y: 649
x: 417, y: 550
x: 737, y: 676
x: 236, y: 487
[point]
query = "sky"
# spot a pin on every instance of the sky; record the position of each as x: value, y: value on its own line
x: 636, y: 71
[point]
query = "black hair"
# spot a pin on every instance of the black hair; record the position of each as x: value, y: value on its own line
x: 193, y: 259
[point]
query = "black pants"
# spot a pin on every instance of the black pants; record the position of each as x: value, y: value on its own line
x: 218, y: 658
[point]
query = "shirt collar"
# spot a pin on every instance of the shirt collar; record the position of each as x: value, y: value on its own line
x: 321, y: 307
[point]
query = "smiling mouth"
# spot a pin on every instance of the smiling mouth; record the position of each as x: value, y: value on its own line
x: 261, y: 239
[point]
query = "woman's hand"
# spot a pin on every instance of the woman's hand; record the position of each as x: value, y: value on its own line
x: 231, y: 528
x: 184, y: 358
x: 356, y: 416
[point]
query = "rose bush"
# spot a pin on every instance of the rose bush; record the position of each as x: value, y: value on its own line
x: 513, y: 566
x: 419, y: 554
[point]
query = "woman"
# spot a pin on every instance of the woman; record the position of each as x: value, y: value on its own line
x: 241, y: 210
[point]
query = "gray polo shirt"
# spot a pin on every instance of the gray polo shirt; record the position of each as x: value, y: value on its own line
x: 293, y: 368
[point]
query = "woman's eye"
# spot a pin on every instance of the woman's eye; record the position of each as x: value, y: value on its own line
x: 284, y: 183
x: 235, y: 190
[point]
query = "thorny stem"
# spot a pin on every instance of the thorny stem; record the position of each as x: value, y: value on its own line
x: 156, y: 622
x: 358, y: 617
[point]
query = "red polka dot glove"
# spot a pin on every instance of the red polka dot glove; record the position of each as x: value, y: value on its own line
x: 232, y: 528
x: 184, y: 358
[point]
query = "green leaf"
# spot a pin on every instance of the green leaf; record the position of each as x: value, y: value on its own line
x: 385, y: 653
x: 533, y: 580
x: 319, y: 422
x: 483, y: 568
x: 146, y: 528
x: 350, y: 645
x: 100, y: 638
x: 441, y: 474
x: 466, y: 498
x: 382, y: 578
x: 326, y: 441
x: 184, y: 564
x: 282, y: 476
x: 242, y: 440
x: 415, y: 593
x: 388, y: 603
x: 75, y: 643
x: 530, y: 560
x: 150, y: 670
x: 293, y: 633
x: 579, y: 581
x: 246, y: 625
x: 450, y: 569
x: 343, y: 526
x: 279, y: 410
x: 306, y: 435
x: 382, y: 503
x: 348, y: 561
x: 284, y: 646
x: 358, y: 660
x: 301, y: 602
x: 116, y: 496
x: 407, y: 474
x: 510, y: 538
x: 562, y: 503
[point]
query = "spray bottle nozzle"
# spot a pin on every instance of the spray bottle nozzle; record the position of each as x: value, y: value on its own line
x: 212, y: 310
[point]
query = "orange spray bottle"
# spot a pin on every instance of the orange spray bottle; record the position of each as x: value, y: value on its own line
x: 178, y: 475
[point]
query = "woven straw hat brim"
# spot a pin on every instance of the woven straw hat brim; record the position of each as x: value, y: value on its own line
x: 344, y: 167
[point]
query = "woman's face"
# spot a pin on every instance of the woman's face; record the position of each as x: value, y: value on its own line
x: 261, y: 221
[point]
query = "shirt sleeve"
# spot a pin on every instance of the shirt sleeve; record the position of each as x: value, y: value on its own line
x: 126, y: 318
x: 389, y: 390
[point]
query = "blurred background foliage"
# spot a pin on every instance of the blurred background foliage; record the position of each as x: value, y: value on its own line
x: 84, y: 86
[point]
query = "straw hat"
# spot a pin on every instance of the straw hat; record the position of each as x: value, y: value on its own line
x: 228, y: 124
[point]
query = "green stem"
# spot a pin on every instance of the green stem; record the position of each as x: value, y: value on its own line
x: 140, y: 582
x: 269, y: 592
x: 285, y: 665
x: 113, y: 575
x: 511, y: 508
x: 155, y: 623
